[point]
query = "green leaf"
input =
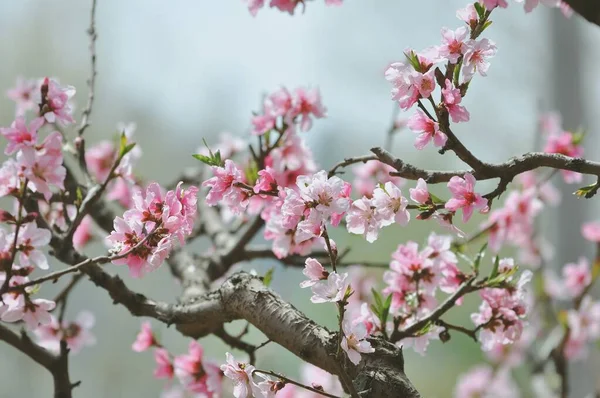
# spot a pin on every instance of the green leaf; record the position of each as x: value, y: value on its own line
x: 480, y: 10
x: 495, y: 269
x: 435, y: 199
x: 413, y: 60
x: 205, y: 159
x: 78, y: 195
x: 587, y: 191
x: 479, y: 257
x: 486, y: 25
x: 377, y: 298
x: 251, y: 173
x: 218, y: 160
x: 386, y: 309
x: 268, y: 278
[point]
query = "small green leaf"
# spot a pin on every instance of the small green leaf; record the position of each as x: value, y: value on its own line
x: 413, y: 60
x: 251, y: 173
x: 495, y: 269
x: 486, y: 25
x: 204, y: 159
x: 218, y: 160
x: 480, y: 10
x: 587, y: 191
x: 435, y: 199
x: 128, y: 148
x: 268, y: 278
x: 78, y: 195
x: 479, y: 257
x: 377, y: 298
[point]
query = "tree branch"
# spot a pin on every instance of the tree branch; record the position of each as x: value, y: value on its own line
x: 589, y: 9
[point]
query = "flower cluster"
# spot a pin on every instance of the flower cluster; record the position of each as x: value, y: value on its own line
x: 414, y: 278
x: 147, y: 232
x: 288, y: 6
x: 386, y: 206
x: 76, y: 333
x: 502, y: 312
x: 196, y: 374
x: 484, y: 381
x: 283, y: 110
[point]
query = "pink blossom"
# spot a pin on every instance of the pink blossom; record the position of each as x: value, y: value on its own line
x: 285, y: 6
x: 531, y: 4
x: 29, y: 241
x: 424, y: 82
x: 267, y: 388
x: 189, y: 366
x: 363, y: 220
x: 354, y: 341
x: 476, y: 57
x: 591, y: 231
x: 468, y: 15
x: 369, y: 174
x: 565, y: 144
x: 10, y: 177
x: 314, y: 271
x: 453, y: 43
x: 264, y: 121
x: 19, y: 136
x: 428, y: 129
x: 333, y: 2
x: 121, y: 190
x: 483, y: 381
x: 77, y: 333
x: 584, y: 326
x: 390, y: 205
x: 566, y: 9
x: 55, y: 105
x: 43, y: 165
x: 420, y: 193
x: 145, y: 339
x: 83, y: 233
x: 326, y: 195
x: 241, y: 375
x: 266, y: 181
x: 420, y: 343
x: 331, y: 290
x: 307, y: 103
x: 223, y: 188
x: 24, y: 95
x: 164, y: 367
x: 464, y: 196
x: 577, y: 276
x: 452, y: 99
x: 228, y: 146
x: 403, y: 90
x: 33, y: 312
x: 100, y: 159
x: 255, y: 5
x: 491, y: 4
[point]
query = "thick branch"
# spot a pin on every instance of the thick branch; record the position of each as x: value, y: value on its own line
x: 589, y: 9
x: 505, y: 171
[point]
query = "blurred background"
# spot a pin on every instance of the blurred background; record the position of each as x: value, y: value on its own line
x: 188, y: 69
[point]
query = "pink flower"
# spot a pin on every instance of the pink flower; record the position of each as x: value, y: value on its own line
x: 223, y: 188
x: 55, y: 105
x: 403, y: 90
x: 314, y: 271
x: 83, y: 233
x: 476, y: 57
x: 43, y: 165
x: 424, y: 82
x: 331, y: 290
x: 369, y: 174
x: 390, y: 205
x: 266, y: 181
x: 420, y: 193
x: 29, y: 240
x: 363, y: 220
x: 255, y: 5
x: 531, y: 4
x: 189, y: 366
x: 164, y: 367
x: 145, y: 339
x: 428, y: 129
x: 468, y: 15
x: 23, y: 94
x: 577, y: 276
x: 19, y: 136
x: 584, y: 326
x: 565, y: 144
x: 591, y: 231
x: 464, y: 196
x: 10, y: 177
x: 491, y: 4
x: 241, y: 375
x: 333, y: 2
x: 452, y: 99
x: 453, y: 43
x: 483, y: 381
x: 354, y: 341
x: 100, y: 159
x: 33, y: 312
x: 307, y: 103
x: 77, y: 333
